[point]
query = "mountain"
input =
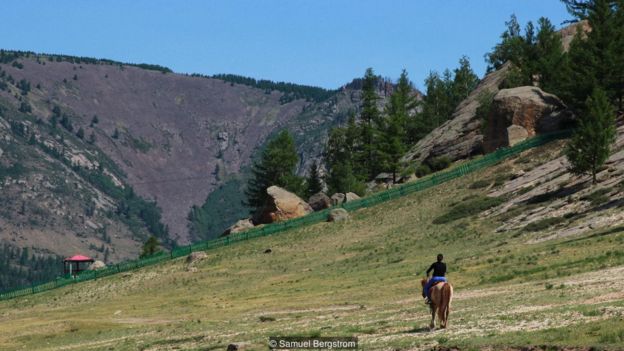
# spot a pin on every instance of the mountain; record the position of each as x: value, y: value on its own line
x: 179, y: 142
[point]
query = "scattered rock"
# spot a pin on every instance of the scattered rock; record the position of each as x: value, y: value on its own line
x: 351, y: 197
x: 337, y: 198
x: 97, y: 265
x: 239, y: 226
x: 282, y: 205
x: 523, y: 112
x: 338, y: 215
x: 118, y: 312
x: 319, y: 201
x: 195, y: 257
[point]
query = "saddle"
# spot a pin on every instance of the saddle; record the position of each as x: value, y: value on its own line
x: 436, y: 283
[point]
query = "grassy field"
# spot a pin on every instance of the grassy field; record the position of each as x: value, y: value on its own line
x: 360, y: 278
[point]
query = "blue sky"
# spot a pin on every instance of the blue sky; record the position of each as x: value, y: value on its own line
x: 317, y: 42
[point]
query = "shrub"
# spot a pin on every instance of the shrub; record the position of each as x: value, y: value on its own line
x: 479, y: 184
x: 485, y: 105
x: 422, y: 170
x: 598, y: 197
x: 439, y: 163
x: 469, y: 208
x: 543, y: 224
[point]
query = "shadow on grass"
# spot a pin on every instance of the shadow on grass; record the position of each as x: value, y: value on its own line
x: 419, y: 330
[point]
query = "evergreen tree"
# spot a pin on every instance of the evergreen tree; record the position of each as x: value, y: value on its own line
x: 510, y: 48
x: 590, y: 146
x: 595, y: 58
x: 548, y: 58
x: 313, y: 182
x: 80, y: 133
x: 464, y: 83
x: 276, y: 166
x: 394, y: 131
x: 339, y: 156
x: 151, y: 247
x: 370, y: 116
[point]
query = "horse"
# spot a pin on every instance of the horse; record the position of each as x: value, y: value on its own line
x: 441, y: 296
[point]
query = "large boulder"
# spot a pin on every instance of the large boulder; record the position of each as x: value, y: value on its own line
x: 522, y: 112
x: 319, y: 201
x: 351, y: 197
x: 337, y: 199
x: 338, y: 215
x: 282, y: 205
x: 239, y: 226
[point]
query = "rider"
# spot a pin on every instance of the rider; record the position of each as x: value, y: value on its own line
x: 439, y: 270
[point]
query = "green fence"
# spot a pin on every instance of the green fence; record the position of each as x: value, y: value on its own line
x: 316, y: 217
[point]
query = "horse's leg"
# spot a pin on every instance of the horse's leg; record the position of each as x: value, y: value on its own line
x: 433, y: 313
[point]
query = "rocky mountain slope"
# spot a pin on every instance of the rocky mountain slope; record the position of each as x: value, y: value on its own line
x: 178, y: 140
x: 60, y: 195
x: 175, y: 137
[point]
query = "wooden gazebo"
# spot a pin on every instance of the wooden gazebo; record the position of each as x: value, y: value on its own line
x: 72, y: 265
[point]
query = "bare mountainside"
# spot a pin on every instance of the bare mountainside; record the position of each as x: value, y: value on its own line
x: 176, y: 137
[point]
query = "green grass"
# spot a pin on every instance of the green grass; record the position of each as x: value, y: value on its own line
x: 468, y: 207
x: 543, y: 224
x: 360, y: 278
x: 598, y: 197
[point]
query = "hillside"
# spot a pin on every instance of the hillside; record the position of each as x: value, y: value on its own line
x: 58, y: 198
x: 516, y: 287
x: 175, y: 137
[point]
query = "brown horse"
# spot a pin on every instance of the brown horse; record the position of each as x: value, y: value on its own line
x: 441, y: 296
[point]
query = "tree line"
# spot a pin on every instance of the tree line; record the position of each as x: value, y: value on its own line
x: 291, y: 91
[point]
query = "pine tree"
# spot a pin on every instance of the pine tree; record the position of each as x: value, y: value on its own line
x: 339, y: 156
x: 80, y: 133
x: 313, y: 182
x: 276, y: 166
x: 151, y: 247
x: 549, y: 60
x: 365, y: 155
x: 595, y: 58
x: 509, y: 49
x: 394, y: 140
x: 590, y: 146
x: 464, y: 83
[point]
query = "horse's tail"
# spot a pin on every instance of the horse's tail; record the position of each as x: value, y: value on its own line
x: 445, y: 303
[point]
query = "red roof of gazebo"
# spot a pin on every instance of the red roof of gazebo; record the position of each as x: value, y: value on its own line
x: 79, y: 258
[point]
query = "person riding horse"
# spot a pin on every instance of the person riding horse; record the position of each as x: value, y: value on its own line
x: 439, y: 272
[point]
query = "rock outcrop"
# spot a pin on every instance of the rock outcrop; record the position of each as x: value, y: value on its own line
x: 319, y: 201
x: 461, y: 136
x: 338, y: 215
x: 522, y: 112
x: 340, y: 198
x: 97, y: 265
x: 239, y: 226
x: 282, y: 205
x: 351, y: 197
